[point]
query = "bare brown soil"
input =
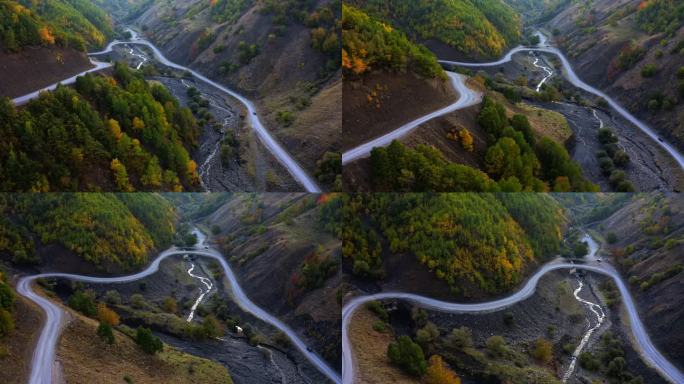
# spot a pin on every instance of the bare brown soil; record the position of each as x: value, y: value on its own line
x: 37, y: 67
x: 381, y: 102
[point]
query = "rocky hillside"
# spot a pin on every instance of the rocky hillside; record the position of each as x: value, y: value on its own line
x: 283, y: 54
x: 647, y: 237
x: 634, y: 50
x: 286, y: 257
x: 84, y: 232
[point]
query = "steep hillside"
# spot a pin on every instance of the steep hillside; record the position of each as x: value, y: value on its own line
x: 283, y: 54
x: 77, y: 24
x: 42, y: 42
x: 474, y: 244
x: 476, y: 28
x: 648, y: 244
x: 632, y: 49
x: 84, y: 232
x: 384, y: 73
x: 117, y: 133
x: 287, y: 258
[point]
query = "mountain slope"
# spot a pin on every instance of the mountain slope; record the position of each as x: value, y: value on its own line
x: 632, y: 49
x: 116, y: 133
x: 84, y: 232
x: 648, y: 248
x: 68, y: 23
x: 474, y: 244
x: 282, y: 54
x: 477, y: 28
x: 287, y: 259
x: 42, y: 42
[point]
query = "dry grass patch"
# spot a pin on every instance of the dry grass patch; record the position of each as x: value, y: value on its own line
x: 370, y: 349
x: 87, y: 359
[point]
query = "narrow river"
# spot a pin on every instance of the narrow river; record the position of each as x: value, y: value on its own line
x: 44, y: 353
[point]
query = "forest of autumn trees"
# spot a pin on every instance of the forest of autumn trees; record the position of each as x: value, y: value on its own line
x: 370, y: 44
x: 116, y: 133
x: 474, y: 242
x: 482, y: 28
x: 109, y: 231
x: 77, y: 24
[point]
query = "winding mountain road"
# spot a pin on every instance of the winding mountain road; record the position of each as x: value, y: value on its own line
x: 283, y: 157
x: 98, y: 66
x: 572, y: 77
x: 467, y: 98
x: 44, y: 354
x: 648, y: 351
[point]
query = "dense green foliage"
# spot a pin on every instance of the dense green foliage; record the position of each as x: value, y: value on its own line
x: 7, y: 299
x: 472, y: 241
x: 407, y: 355
x: 514, y: 162
x: 228, y: 10
x: 84, y: 302
x: 118, y: 133
x: 147, y: 341
x: 536, y: 166
x: 106, y: 230
x: 478, y: 27
x: 661, y: 16
x: 370, y: 44
x: 69, y: 23
x: 104, y: 331
x: 398, y: 168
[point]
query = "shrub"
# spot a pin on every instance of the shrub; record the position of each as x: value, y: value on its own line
x: 6, y: 322
x: 649, y: 70
x: 607, y: 165
x: 407, y: 355
x: 611, y: 237
x: 461, y: 338
x: 286, y: 118
x: 138, y: 301
x: 589, y: 362
x: 378, y: 310
x: 543, y: 351
x: 439, y: 373
x: 496, y: 345
x: 379, y: 326
x: 212, y: 327
x: 106, y: 315
x: 169, y: 305
x: 621, y: 158
x: 112, y: 297
x: 149, y: 343
x: 104, y: 331
x: 6, y: 296
x: 84, y: 303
